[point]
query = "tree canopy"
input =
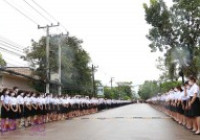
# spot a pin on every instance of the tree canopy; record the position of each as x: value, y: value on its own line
x: 76, y: 73
x: 175, y: 31
x: 152, y: 88
x: 122, y: 91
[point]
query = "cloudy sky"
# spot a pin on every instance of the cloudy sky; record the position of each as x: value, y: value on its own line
x: 113, y: 32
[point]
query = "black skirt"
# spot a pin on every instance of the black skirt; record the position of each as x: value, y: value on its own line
x: 27, y: 112
x: 33, y: 112
x: 180, y: 109
x: 12, y: 114
x: 20, y: 114
x: 62, y: 109
x: 4, y: 113
x: 51, y: 108
x: 44, y: 111
x: 39, y: 111
x: 195, y: 108
x: 48, y: 109
x: 185, y: 110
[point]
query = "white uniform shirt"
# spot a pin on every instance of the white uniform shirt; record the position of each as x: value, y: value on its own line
x: 40, y: 101
x: 2, y: 97
x: 43, y: 100
x: 71, y: 101
x: 13, y: 101
x: 20, y: 100
x: 194, y: 89
x: 51, y: 100
x: 47, y: 100
x: 183, y: 97
x: 34, y: 100
x: 55, y: 101
x: 62, y: 101
x: 66, y: 101
x: 5, y: 99
x: 58, y: 101
x: 27, y: 100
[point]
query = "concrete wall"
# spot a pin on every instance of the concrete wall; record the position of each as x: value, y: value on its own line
x: 9, y: 81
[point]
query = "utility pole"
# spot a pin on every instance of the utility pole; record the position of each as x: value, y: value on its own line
x: 47, y: 53
x: 93, y: 80
x: 111, y: 82
x: 59, y: 64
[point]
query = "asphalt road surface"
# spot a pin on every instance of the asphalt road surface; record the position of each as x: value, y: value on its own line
x: 132, y: 122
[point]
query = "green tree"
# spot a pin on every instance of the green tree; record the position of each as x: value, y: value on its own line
x: 76, y: 73
x: 122, y: 91
x: 2, y: 61
x: 166, y: 86
x: 175, y: 30
x: 109, y: 93
x: 148, y: 89
x: 151, y: 88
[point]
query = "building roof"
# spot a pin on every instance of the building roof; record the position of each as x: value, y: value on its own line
x: 21, y: 70
x: 24, y: 72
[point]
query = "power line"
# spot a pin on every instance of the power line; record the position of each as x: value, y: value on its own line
x: 10, y: 61
x: 37, y: 11
x: 12, y: 46
x: 50, y: 15
x: 44, y: 10
x: 15, y: 8
x: 13, y: 43
x: 9, y: 51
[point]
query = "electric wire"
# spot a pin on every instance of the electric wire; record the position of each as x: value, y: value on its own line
x: 15, y: 8
x: 50, y: 15
x: 37, y: 11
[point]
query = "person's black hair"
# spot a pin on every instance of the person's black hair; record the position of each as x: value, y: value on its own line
x: 26, y: 93
x: 186, y: 83
x: 192, y: 78
x: 38, y: 95
x: 3, y: 92
x: 32, y: 93
x: 19, y: 92
x: 179, y: 88
x: 14, y: 88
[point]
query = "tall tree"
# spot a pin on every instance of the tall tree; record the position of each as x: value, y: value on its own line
x: 148, y: 89
x: 175, y: 30
x: 152, y: 88
x: 76, y: 73
x: 122, y: 91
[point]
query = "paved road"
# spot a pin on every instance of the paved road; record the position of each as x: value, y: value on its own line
x: 108, y: 125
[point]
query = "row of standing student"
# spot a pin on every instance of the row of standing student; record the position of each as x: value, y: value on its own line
x: 29, y: 108
x: 182, y: 103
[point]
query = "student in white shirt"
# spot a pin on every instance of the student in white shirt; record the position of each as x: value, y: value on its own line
x: 194, y: 105
x: 27, y: 109
x: 14, y: 107
x: 62, y: 107
x: 4, y: 104
x: 41, y: 108
x: 54, y: 109
x: 51, y: 107
x: 66, y: 107
x: 185, y: 99
x: 34, y: 108
x: 20, y: 100
x: 179, y: 107
x: 48, y: 107
x: 5, y: 108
